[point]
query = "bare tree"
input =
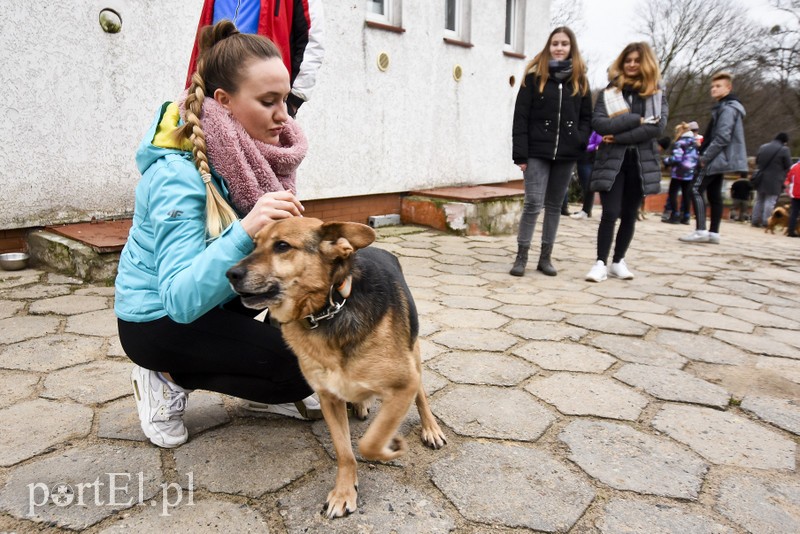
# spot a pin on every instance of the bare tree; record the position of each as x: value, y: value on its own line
x: 567, y: 13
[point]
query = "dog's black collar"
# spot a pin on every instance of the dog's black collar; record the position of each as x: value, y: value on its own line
x: 334, y: 306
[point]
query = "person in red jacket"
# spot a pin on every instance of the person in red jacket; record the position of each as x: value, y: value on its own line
x: 793, y: 190
x: 294, y: 25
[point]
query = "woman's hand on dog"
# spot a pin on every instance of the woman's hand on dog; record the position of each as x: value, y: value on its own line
x: 271, y: 207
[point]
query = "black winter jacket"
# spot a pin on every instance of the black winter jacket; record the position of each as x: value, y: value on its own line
x: 553, y: 124
x: 628, y: 132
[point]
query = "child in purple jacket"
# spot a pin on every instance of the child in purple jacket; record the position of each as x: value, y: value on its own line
x: 682, y: 164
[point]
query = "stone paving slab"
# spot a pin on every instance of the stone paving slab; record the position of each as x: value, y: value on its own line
x: 15, y: 386
x: 637, y: 517
x: 639, y: 351
x: 45, y: 423
x: 564, y: 356
x: 491, y: 344
x: 482, y: 368
x: 761, y: 502
x: 385, y: 504
x: 51, y: 352
x: 726, y: 438
x: 627, y: 459
x: 673, y: 385
x: 783, y: 413
x: 589, y: 395
x: 22, y: 328
x: 553, y: 503
x: 492, y: 412
x: 203, y: 515
x: 249, y: 459
x: 67, y: 477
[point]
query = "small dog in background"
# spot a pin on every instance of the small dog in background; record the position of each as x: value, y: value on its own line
x: 779, y: 217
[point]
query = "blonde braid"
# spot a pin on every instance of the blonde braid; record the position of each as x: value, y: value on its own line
x: 219, y: 214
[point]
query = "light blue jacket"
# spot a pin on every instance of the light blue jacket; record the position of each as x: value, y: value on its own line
x: 168, y: 267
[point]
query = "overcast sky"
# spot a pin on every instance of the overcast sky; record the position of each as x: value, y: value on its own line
x: 608, y: 25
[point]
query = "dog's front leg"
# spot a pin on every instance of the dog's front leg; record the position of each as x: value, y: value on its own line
x: 380, y: 441
x: 342, y: 498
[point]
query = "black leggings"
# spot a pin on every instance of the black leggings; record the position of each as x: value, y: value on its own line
x: 621, y: 202
x: 225, y: 350
x: 685, y: 187
x: 711, y: 185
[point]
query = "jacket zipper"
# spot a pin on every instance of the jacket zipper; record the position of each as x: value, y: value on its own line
x: 558, y: 123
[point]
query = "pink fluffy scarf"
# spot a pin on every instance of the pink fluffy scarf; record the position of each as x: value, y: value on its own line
x: 250, y: 167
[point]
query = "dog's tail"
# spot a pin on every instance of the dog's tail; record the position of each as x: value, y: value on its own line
x: 778, y: 214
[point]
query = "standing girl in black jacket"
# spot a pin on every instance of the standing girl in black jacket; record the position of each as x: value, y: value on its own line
x: 630, y: 115
x: 552, y: 120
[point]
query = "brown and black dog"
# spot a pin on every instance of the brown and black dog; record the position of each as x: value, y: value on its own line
x: 779, y: 217
x: 347, y: 313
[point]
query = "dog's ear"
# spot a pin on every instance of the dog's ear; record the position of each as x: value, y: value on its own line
x: 341, y: 239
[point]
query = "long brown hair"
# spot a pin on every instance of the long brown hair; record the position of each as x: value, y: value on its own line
x: 647, y: 83
x: 539, y: 65
x: 224, y: 55
x: 680, y: 129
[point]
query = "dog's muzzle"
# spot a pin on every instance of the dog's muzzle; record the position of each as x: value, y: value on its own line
x: 253, y: 296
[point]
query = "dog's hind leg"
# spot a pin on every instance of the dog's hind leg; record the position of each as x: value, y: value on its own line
x: 432, y: 434
x: 380, y: 441
x: 342, y: 499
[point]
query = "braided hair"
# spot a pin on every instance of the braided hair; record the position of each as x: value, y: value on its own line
x: 224, y: 53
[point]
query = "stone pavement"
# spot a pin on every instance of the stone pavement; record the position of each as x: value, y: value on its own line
x: 665, y: 404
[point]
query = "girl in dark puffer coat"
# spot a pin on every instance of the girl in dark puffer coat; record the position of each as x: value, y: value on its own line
x: 630, y: 115
x: 552, y: 120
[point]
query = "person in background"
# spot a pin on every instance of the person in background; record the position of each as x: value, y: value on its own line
x: 682, y: 164
x: 551, y: 125
x: 773, y: 160
x: 723, y: 151
x: 296, y: 26
x: 585, y: 163
x: 793, y: 189
x: 630, y: 115
x: 217, y: 166
x: 741, y: 191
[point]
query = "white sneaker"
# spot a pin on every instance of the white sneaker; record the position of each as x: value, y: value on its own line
x: 598, y: 273
x: 620, y: 270
x: 307, y: 409
x: 698, y: 236
x: 713, y: 237
x: 580, y: 215
x: 161, y: 405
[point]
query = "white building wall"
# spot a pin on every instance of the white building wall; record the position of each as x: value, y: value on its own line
x: 77, y: 101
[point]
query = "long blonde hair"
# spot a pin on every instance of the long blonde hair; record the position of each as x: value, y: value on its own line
x: 647, y: 83
x: 224, y: 54
x: 680, y: 129
x: 539, y: 65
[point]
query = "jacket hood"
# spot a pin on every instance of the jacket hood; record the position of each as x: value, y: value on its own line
x: 733, y: 100
x: 160, y: 138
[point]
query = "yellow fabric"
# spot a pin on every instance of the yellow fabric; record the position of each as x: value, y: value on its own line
x: 166, y: 132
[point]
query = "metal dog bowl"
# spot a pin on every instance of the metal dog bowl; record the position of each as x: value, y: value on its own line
x: 14, y: 261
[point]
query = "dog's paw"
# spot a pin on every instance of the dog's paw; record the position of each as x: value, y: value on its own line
x: 361, y: 409
x: 340, y: 503
x: 433, y: 437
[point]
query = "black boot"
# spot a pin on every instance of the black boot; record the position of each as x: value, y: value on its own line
x: 544, y: 261
x: 519, y: 264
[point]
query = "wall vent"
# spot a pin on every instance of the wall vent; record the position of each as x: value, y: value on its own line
x: 458, y: 72
x: 383, y: 61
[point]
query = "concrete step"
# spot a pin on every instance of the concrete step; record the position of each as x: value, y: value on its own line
x: 89, y: 251
x: 473, y: 210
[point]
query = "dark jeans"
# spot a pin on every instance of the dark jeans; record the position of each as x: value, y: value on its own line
x: 621, y: 202
x: 225, y: 350
x: 685, y: 187
x: 793, y: 216
x: 585, y: 175
x: 711, y: 185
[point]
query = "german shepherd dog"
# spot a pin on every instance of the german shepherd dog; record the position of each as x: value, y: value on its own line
x: 347, y: 313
